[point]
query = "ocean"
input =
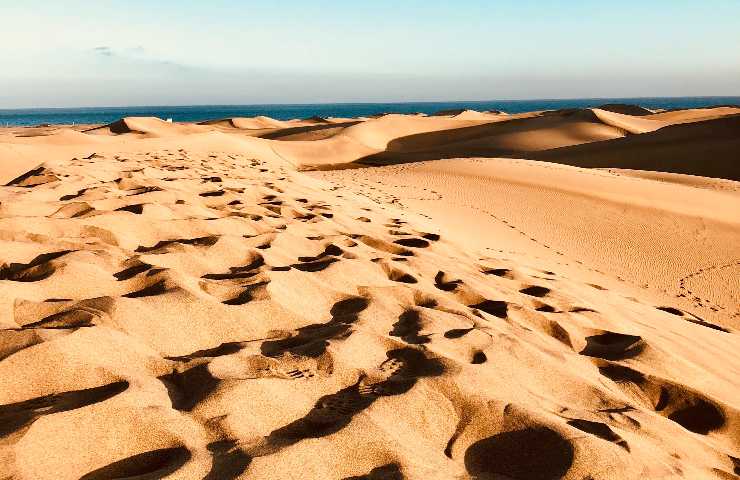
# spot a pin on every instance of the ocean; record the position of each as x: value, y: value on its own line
x: 196, y: 113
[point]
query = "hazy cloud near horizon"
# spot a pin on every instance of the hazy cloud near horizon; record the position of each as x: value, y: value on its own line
x: 221, y: 52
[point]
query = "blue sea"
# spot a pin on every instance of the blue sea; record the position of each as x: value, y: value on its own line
x: 196, y: 113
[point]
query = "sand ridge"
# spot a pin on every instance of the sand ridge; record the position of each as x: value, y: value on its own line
x: 181, y: 302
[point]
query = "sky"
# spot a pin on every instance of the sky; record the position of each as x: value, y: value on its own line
x: 69, y: 53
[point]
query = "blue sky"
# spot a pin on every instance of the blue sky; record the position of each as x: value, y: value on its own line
x: 94, y: 53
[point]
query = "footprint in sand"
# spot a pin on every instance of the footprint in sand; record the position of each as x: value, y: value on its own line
x: 287, y: 366
x: 331, y: 413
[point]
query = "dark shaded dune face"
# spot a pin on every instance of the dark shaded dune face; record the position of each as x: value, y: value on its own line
x: 735, y: 464
x: 417, y: 364
x: 26, y: 180
x: 227, y: 348
x: 33, y: 274
x: 313, y: 339
x: 613, y: 346
x: 620, y: 374
x: 330, y: 250
x: 132, y: 271
x: 499, y: 272
x: 391, y: 471
x: 315, y: 266
x: 408, y: 327
x: 137, y: 209
x: 158, y: 288
x: 36, y: 270
x: 240, y: 272
x: 625, y: 109
x: 13, y: 341
x: 444, y: 283
x: 412, y: 242
x: 154, y: 464
x: 161, y: 245
x: 457, y: 332
x: 722, y: 475
x: 535, y: 291
x: 496, y: 308
x: 543, y: 307
x: 214, y: 193
x: 330, y: 414
x: 671, y: 310
x: 347, y: 310
x: 600, y: 430
x: 708, y: 325
x: 695, y: 320
x: 671, y: 149
x: 72, y: 196
x: 478, y: 358
x: 559, y: 333
x: 512, y: 137
x: 62, y: 314
x: 309, y: 132
x: 687, y: 408
x: 229, y: 462
x: 434, y: 237
x: 187, y: 389
x: 117, y: 127
x: 396, y: 275
x: 536, y: 453
x: 68, y: 319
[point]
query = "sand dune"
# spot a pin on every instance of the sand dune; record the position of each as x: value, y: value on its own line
x: 625, y: 109
x: 150, y: 126
x: 474, y: 115
x: 704, y: 148
x: 694, y: 115
x: 255, y: 123
x: 308, y: 132
x: 179, y: 301
x: 399, y: 138
x: 628, y: 123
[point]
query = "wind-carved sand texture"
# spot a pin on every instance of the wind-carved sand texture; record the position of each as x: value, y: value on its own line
x: 181, y: 302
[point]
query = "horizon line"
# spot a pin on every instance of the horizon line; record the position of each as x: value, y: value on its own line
x: 404, y: 102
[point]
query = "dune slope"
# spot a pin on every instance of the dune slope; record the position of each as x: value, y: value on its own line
x: 706, y: 148
x: 185, y: 304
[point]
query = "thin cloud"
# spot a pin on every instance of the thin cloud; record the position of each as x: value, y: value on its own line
x: 138, y: 50
x: 104, y: 50
x: 139, y: 56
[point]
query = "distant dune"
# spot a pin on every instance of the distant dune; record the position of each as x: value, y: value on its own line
x: 625, y: 109
x: 256, y: 123
x: 707, y: 148
x: 150, y: 126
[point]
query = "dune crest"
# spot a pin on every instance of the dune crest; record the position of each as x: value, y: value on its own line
x: 150, y: 126
x: 628, y: 123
